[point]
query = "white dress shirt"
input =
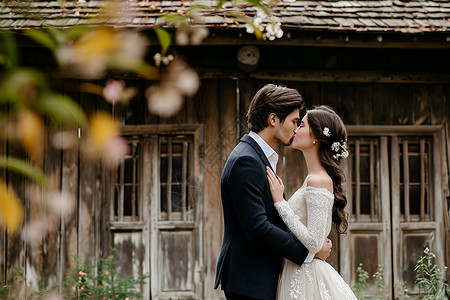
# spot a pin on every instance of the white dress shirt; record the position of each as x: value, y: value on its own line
x: 272, y: 157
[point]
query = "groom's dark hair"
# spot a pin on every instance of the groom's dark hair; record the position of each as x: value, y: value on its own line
x: 269, y: 99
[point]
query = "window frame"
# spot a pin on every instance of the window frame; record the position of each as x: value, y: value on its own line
x: 124, y: 224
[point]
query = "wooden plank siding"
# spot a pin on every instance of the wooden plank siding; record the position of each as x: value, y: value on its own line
x: 219, y: 108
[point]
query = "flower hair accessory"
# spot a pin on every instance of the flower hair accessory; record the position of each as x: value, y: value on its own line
x: 326, y: 132
x: 340, y: 148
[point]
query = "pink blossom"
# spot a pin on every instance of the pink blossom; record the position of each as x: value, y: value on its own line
x: 80, y: 274
x: 61, y: 202
x: 113, y: 90
x: 116, y: 148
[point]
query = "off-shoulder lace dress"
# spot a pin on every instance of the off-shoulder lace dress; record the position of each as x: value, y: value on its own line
x: 308, y: 216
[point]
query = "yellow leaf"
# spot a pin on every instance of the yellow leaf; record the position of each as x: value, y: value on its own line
x: 103, y: 129
x: 96, y: 44
x: 30, y: 130
x: 11, y: 210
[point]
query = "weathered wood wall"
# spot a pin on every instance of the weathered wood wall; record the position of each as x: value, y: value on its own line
x: 368, y: 90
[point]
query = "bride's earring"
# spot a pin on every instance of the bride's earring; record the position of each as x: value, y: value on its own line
x: 314, y: 142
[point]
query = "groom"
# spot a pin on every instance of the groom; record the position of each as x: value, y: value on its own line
x: 255, y: 240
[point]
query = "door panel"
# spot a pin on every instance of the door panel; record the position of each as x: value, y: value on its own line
x: 177, y: 261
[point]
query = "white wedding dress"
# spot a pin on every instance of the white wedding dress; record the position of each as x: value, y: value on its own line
x: 308, y: 215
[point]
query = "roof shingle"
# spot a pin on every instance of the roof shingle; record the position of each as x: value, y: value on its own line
x: 373, y: 16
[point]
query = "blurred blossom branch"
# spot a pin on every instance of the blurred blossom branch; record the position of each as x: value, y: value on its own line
x: 32, y: 113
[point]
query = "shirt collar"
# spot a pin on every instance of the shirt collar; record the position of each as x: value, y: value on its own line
x: 271, y: 154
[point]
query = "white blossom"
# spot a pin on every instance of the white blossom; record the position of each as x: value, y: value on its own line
x: 336, y: 146
x: 163, y: 100
x: 198, y: 34
x: 326, y: 132
x: 261, y: 13
x: 187, y: 82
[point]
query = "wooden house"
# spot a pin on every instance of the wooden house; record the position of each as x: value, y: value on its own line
x: 382, y: 65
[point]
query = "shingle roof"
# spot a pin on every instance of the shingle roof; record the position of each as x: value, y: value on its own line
x: 407, y: 17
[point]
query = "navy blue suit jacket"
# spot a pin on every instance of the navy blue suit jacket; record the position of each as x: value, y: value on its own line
x: 254, y: 241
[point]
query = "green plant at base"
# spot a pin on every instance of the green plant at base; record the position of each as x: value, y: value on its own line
x: 429, y: 277
x: 400, y: 290
x: 379, y: 282
x: 107, y: 284
x: 4, y: 289
x: 359, y: 286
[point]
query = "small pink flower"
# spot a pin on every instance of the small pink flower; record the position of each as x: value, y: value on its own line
x: 74, y: 288
x: 107, y: 273
x: 82, y: 287
x: 127, y: 298
x: 80, y: 274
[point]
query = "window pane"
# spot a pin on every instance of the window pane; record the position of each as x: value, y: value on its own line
x: 163, y: 170
x: 177, y: 148
x: 176, y: 198
x: 164, y: 148
x: 354, y: 199
x: 402, y: 200
x: 128, y: 190
x: 414, y: 168
x: 364, y: 168
x: 177, y: 167
x: 414, y: 200
x: 116, y: 199
x: 401, y: 164
x: 365, y: 200
x: 177, y: 156
x: 128, y: 176
x: 163, y: 198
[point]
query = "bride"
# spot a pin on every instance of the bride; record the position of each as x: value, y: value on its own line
x: 312, y: 209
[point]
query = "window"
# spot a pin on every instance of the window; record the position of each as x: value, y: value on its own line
x: 175, y: 173
x: 364, y: 159
x: 414, y: 179
x: 126, y: 185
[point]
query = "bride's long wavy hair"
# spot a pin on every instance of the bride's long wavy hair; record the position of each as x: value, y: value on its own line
x: 319, y: 118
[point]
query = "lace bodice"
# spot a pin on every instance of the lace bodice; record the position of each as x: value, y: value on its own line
x: 308, y: 215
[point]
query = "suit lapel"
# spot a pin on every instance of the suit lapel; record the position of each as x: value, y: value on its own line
x: 249, y: 140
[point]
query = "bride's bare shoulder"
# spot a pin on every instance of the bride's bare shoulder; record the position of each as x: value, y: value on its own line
x: 320, y: 181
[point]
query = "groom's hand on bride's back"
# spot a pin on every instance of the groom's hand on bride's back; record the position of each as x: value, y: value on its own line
x: 325, y: 252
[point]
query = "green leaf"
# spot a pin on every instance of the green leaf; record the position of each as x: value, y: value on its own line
x: 256, y: 3
x: 25, y: 168
x: 62, y: 3
x: 198, y: 6
x: 62, y: 109
x: 220, y: 3
x: 164, y: 39
x: 43, y: 38
x: 75, y: 32
x: 9, y: 47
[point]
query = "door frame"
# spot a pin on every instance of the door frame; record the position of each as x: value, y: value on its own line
x: 151, y: 190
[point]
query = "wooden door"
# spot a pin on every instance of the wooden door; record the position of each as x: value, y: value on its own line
x: 175, y: 195
x: 395, y: 198
x: 156, y: 212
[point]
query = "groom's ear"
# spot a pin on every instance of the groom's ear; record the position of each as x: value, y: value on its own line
x: 272, y: 119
